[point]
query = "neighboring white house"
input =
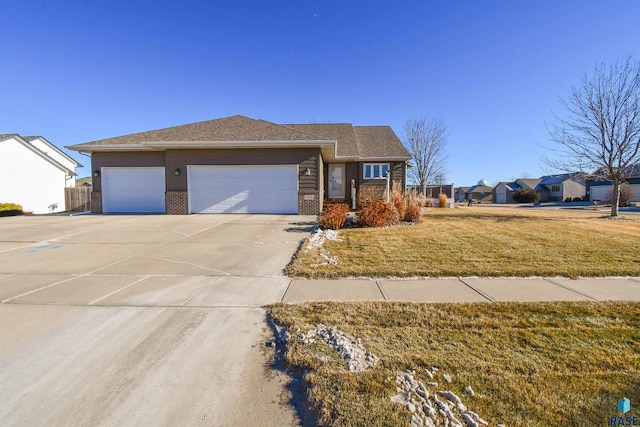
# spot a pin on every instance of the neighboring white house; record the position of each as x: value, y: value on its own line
x: 34, y: 173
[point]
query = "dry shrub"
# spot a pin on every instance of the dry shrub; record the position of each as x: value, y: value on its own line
x: 366, y: 194
x: 333, y: 216
x: 428, y: 203
x: 412, y: 212
x: 378, y: 213
x: 442, y: 200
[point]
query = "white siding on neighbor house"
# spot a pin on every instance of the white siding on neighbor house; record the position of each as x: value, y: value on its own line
x: 53, y: 153
x: 29, y: 180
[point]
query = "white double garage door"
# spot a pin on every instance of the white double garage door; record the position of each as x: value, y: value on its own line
x: 269, y: 189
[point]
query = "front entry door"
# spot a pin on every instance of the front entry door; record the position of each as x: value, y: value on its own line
x: 336, y: 181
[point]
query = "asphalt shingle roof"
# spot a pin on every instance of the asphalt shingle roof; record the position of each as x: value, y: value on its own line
x: 352, y: 141
x: 234, y: 128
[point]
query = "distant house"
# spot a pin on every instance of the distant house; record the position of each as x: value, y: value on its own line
x: 552, y: 188
x: 84, y: 182
x: 34, y: 173
x: 480, y: 193
x: 461, y: 194
x: 558, y: 188
x: 503, y: 192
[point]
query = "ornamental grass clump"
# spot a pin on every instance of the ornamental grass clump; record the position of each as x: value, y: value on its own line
x: 412, y: 211
x: 398, y: 199
x: 378, y: 213
x: 334, y: 216
x: 442, y: 200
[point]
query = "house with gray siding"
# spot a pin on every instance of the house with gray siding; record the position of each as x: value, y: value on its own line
x: 551, y: 188
x: 241, y: 165
x: 559, y: 188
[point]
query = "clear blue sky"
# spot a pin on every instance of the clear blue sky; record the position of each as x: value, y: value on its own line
x: 492, y: 71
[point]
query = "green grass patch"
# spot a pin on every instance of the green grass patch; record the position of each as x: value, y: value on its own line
x: 497, y: 242
x: 530, y: 364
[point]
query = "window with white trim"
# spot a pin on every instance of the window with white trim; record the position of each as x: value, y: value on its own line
x: 375, y: 170
x: 555, y: 188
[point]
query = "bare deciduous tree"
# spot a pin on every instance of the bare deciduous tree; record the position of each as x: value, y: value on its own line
x: 426, y: 141
x: 599, y: 135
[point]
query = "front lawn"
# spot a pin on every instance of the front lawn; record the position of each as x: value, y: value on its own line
x: 528, y: 364
x: 483, y: 241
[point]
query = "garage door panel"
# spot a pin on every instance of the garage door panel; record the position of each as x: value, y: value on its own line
x: 243, y: 189
x: 600, y: 192
x: 133, y: 190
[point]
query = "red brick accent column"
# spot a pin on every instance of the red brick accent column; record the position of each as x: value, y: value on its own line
x: 176, y: 202
x: 309, y: 203
x: 96, y: 202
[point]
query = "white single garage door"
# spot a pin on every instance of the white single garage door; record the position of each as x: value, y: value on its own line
x: 133, y: 190
x: 243, y: 189
x: 501, y: 197
x: 600, y: 192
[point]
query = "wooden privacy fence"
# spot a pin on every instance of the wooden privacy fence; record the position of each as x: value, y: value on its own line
x: 433, y: 191
x: 77, y: 199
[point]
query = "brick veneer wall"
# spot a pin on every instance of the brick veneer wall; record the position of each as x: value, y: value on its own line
x: 309, y: 203
x: 176, y: 203
x: 96, y: 202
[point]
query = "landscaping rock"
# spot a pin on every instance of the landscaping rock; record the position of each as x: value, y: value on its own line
x: 469, y: 391
x: 348, y: 347
x: 430, y: 411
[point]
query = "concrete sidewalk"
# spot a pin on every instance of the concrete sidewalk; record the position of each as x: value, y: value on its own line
x: 467, y: 289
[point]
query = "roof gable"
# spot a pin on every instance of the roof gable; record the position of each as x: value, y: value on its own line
x: 480, y: 189
x: 379, y: 141
x: 42, y: 144
x: 528, y: 183
x: 34, y: 149
x: 341, y: 132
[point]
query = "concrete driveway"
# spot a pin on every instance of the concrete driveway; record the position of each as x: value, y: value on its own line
x: 142, y: 320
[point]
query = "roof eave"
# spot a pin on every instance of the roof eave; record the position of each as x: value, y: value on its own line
x: 385, y: 158
x: 239, y: 144
x: 88, y: 148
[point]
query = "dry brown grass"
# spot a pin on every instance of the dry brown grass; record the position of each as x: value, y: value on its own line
x: 531, y: 364
x: 491, y: 241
